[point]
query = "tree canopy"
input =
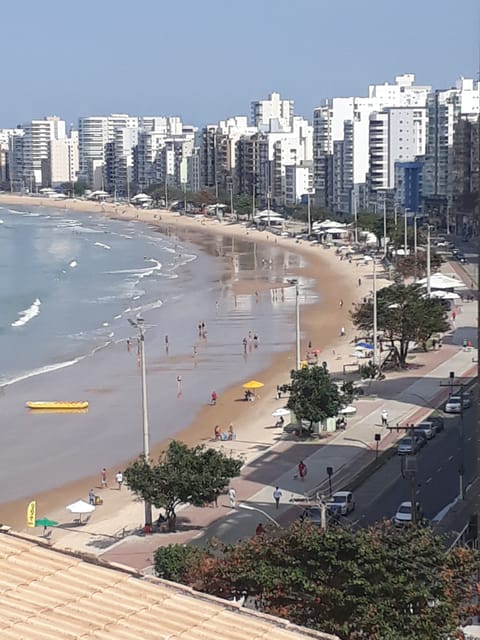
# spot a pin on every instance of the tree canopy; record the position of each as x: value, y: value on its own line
x: 313, y: 395
x: 182, y: 474
x: 380, y: 583
x: 415, y: 265
x: 404, y: 315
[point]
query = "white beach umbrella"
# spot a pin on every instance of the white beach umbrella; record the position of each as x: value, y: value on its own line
x: 441, y: 281
x: 80, y: 507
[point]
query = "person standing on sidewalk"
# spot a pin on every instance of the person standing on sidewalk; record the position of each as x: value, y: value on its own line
x: 232, y: 494
x: 277, y: 494
x: 384, y: 418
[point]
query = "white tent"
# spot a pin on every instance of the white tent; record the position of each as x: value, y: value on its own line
x: 441, y: 281
x: 444, y: 295
x: 326, y: 224
x: 140, y: 197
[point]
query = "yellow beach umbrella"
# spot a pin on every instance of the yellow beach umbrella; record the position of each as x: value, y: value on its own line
x: 253, y: 384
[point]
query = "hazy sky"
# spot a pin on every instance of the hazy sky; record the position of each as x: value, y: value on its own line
x: 205, y: 61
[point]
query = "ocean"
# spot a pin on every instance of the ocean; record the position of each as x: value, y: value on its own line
x: 69, y: 284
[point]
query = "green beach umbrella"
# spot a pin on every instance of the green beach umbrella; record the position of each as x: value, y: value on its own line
x: 45, y: 522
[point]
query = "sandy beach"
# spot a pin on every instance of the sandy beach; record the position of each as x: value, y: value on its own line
x: 335, y: 281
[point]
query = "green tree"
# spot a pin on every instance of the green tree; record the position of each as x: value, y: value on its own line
x: 404, y: 315
x: 379, y: 583
x: 176, y: 561
x: 182, y: 474
x: 416, y: 265
x: 243, y: 205
x: 313, y: 395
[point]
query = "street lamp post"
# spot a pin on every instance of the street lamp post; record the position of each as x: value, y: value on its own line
x: 405, y: 242
x: 297, y: 328
x: 428, y: 262
x: 309, y: 215
x: 248, y: 507
x: 375, y: 328
x: 385, y: 225
x: 139, y: 324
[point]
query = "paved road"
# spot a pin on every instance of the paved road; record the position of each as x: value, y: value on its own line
x: 437, y: 475
x: 470, y: 249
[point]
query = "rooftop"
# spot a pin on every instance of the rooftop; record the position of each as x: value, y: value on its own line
x: 46, y: 593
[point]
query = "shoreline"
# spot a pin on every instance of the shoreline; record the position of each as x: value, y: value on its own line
x: 320, y: 265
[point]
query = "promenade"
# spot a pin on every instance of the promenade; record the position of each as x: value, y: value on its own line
x: 271, y: 456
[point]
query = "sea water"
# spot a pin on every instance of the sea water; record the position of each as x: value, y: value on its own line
x: 69, y: 284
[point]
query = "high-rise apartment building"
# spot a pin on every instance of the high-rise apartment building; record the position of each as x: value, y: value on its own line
x: 329, y: 128
x: 31, y: 151
x: 61, y: 167
x: 273, y: 112
x: 444, y: 109
x: 396, y: 134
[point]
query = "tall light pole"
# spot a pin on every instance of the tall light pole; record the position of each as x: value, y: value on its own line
x: 374, y: 313
x: 297, y: 328
x: 309, y: 214
x: 355, y: 219
x: 139, y: 324
x: 268, y: 207
x: 405, y: 243
x: 428, y: 262
x: 384, y: 226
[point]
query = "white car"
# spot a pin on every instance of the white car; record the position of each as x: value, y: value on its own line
x: 403, y: 516
x: 342, y: 503
x: 454, y: 403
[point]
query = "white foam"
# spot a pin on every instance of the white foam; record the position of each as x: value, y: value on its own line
x: 73, y: 264
x: 104, y: 246
x: 37, y: 372
x: 27, y: 314
x: 1, y: 221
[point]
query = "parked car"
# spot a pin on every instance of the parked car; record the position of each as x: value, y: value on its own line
x: 403, y: 517
x: 408, y: 445
x: 342, y: 503
x: 454, y: 403
x: 461, y: 257
x: 438, y: 422
x: 426, y: 428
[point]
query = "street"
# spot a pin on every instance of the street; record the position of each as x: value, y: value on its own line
x: 437, y: 474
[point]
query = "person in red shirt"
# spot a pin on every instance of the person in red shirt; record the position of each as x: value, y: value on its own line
x: 302, y: 470
x: 214, y: 397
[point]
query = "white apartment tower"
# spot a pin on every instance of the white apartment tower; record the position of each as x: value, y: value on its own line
x: 444, y: 110
x: 273, y: 110
x: 396, y: 134
x: 62, y: 164
x: 329, y: 128
x: 34, y: 150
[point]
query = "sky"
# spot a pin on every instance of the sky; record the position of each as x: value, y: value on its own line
x: 206, y: 61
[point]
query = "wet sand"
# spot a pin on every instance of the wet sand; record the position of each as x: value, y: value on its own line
x: 320, y: 324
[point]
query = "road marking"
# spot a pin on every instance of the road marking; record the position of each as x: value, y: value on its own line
x: 468, y: 439
x: 450, y: 458
x: 439, y: 469
x: 428, y: 480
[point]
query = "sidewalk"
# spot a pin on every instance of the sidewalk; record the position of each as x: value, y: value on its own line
x: 272, y: 458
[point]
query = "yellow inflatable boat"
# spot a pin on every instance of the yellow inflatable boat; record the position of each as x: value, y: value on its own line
x: 58, y: 405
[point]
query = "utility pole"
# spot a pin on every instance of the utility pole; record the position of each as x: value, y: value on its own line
x: 428, y: 262
x: 385, y: 225
x: 309, y: 214
x: 139, y: 324
x: 355, y: 218
x: 375, y: 329
x: 253, y: 200
x: 405, y: 243
x: 297, y: 328
x: 231, y: 197
x: 451, y: 384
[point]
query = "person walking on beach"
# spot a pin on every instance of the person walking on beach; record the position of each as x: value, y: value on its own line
x: 103, y: 478
x: 119, y: 479
x: 91, y: 496
x: 179, y: 385
x: 359, y: 282
x: 341, y: 303
x: 232, y: 494
x: 214, y: 398
x: 255, y: 341
x: 244, y: 342
x: 277, y: 494
x: 342, y: 331
x: 384, y: 415
x: 302, y: 470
